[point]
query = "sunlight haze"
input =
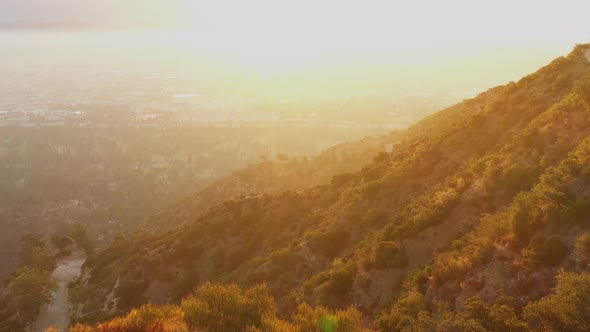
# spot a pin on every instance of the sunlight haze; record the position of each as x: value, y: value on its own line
x: 289, y: 166
x: 282, y: 35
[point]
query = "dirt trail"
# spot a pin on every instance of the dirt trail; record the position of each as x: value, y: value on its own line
x: 56, y: 314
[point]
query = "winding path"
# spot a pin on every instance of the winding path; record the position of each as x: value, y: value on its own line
x: 56, y: 314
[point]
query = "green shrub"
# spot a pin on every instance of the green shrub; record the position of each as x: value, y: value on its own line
x: 388, y: 254
x: 583, y: 244
x: 314, y: 281
x: 336, y: 288
x: 519, y: 219
x: 328, y: 244
x: 184, y: 285
x: 567, y: 309
x: 146, y: 318
x: 219, y: 308
x: 77, y: 294
x: 547, y: 251
x: 130, y: 294
x: 499, y: 317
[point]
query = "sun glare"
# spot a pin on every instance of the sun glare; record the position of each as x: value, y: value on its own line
x: 291, y: 35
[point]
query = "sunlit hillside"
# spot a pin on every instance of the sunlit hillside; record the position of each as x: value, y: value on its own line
x: 304, y: 166
x: 437, y: 232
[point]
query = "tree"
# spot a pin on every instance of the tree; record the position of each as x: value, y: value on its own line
x: 79, y: 233
x: 227, y: 307
x: 215, y: 307
x: 520, y: 219
x: 184, y: 285
x: 62, y: 243
x: 567, y: 309
x: 33, y: 255
x: 330, y: 243
x: 320, y: 318
x: 336, y: 288
x: 545, y: 251
x: 388, y: 254
x: 147, y: 318
x: 583, y: 245
x: 453, y: 322
x: 499, y: 317
x: 29, y: 290
x: 129, y: 294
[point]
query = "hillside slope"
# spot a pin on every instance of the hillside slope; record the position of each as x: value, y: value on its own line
x: 464, y: 225
x: 275, y: 176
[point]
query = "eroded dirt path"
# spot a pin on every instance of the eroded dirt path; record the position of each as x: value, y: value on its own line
x: 57, y: 313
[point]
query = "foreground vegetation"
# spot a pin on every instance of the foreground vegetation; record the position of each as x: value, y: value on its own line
x: 218, y: 308
x: 29, y: 288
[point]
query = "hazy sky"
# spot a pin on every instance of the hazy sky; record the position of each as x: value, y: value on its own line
x: 374, y: 23
x: 278, y: 33
x: 106, y: 13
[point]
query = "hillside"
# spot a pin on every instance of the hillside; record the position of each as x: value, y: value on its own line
x: 476, y: 221
x: 110, y: 175
x: 285, y: 173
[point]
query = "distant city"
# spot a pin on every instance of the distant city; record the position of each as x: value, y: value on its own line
x: 81, y: 96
